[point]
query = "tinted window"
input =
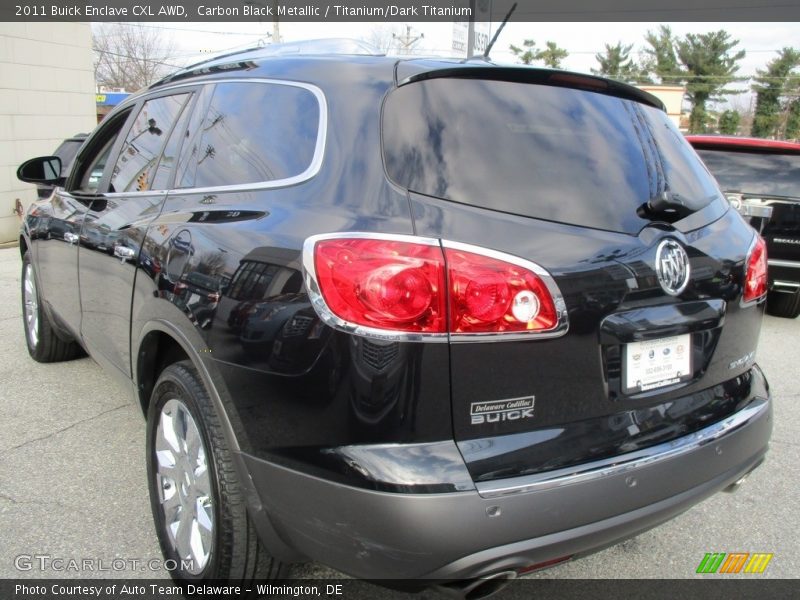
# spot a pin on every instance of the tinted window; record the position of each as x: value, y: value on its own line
x: 66, y: 152
x: 190, y: 149
x: 755, y: 173
x: 169, y: 156
x: 548, y: 152
x: 142, y: 147
x: 94, y: 157
x: 254, y: 132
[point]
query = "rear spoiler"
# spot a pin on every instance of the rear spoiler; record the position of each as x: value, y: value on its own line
x: 567, y: 79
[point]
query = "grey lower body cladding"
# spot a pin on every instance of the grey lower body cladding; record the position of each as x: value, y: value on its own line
x: 507, y: 524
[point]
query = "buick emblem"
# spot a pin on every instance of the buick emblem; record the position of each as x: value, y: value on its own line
x: 672, y: 267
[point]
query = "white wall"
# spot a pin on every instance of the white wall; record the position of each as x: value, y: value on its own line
x: 46, y: 94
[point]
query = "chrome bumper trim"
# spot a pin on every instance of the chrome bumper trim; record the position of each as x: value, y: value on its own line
x: 776, y: 262
x: 779, y: 283
x: 626, y: 462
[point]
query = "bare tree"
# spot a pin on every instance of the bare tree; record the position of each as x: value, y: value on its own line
x: 383, y: 37
x: 131, y: 56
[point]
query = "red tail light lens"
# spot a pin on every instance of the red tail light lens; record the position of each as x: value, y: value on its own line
x: 408, y: 285
x: 489, y: 295
x: 382, y: 283
x: 755, y: 281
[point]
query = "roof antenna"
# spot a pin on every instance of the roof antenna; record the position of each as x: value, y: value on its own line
x: 499, y: 29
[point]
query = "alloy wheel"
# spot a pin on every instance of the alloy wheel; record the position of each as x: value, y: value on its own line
x: 31, y: 306
x: 184, y: 486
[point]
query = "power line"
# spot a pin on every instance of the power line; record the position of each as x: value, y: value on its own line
x: 142, y: 25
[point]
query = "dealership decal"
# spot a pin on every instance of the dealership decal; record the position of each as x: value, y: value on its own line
x: 497, y: 411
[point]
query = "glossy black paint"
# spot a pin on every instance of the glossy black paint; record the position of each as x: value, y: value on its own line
x: 217, y: 274
x: 637, y: 427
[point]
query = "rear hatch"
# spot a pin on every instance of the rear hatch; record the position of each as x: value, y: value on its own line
x: 763, y: 176
x: 587, y: 179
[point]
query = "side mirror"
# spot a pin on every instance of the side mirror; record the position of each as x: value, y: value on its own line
x: 44, y: 169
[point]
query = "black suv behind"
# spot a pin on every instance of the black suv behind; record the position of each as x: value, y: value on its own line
x: 409, y: 318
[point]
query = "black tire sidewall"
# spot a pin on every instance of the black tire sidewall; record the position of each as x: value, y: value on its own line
x: 171, y: 385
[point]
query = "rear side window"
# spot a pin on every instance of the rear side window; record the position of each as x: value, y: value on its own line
x: 755, y: 172
x: 253, y: 132
x: 166, y: 165
x: 547, y: 152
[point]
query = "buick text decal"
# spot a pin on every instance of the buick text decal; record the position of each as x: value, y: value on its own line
x: 497, y: 411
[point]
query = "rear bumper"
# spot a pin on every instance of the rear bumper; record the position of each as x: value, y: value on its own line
x: 513, y: 523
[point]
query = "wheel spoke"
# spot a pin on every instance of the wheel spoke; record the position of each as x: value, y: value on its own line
x: 183, y: 533
x: 204, y: 514
x: 199, y: 546
x: 166, y: 430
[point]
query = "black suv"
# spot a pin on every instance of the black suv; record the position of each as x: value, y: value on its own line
x: 761, y: 178
x: 421, y: 319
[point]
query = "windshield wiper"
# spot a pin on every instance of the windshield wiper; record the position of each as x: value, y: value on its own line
x: 667, y: 206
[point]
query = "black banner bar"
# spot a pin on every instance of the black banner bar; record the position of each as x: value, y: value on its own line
x: 398, y: 10
x: 712, y: 587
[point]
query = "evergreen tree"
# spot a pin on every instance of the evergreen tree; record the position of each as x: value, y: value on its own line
x: 709, y: 64
x: 551, y: 55
x: 772, y: 85
x: 660, y: 58
x: 728, y: 123
x: 616, y: 63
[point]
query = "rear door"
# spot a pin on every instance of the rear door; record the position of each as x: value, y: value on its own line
x: 569, y: 175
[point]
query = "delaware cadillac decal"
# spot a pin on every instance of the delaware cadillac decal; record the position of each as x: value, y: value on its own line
x: 498, y: 411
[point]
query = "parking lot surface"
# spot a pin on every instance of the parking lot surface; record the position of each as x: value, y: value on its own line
x: 72, y: 473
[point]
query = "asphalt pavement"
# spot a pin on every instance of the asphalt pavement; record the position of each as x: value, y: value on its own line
x: 72, y: 474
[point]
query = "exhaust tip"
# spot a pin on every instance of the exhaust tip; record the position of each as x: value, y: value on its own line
x: 477, y: 589
x: 736, y: 484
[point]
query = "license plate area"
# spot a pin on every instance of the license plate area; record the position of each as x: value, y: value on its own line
x: 658, y: 363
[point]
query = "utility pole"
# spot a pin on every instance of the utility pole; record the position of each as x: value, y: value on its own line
x: 276, y: 28
x: 471, y: 30
x: 407, y: 40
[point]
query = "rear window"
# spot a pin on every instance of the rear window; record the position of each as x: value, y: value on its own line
x: 755, y: 172
x: 547, y: 152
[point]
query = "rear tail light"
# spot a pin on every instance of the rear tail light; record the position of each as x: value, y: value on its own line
x: 404, y: 286
x: 755, y: 280
x: 492, y: 295
x: 383, y: 284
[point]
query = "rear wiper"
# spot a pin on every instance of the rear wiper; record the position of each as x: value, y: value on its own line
x: 668, y: 206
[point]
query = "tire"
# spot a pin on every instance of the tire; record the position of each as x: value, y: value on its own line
x: 193, y: 484
x: 783, y: 304
x: 44, y: 344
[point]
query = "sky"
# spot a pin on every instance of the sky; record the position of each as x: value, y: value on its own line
x: 761, y: 41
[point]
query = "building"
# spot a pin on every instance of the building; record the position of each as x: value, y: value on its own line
x: 671, y: 96
x: 106, y: 101
x: 47, y: 93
